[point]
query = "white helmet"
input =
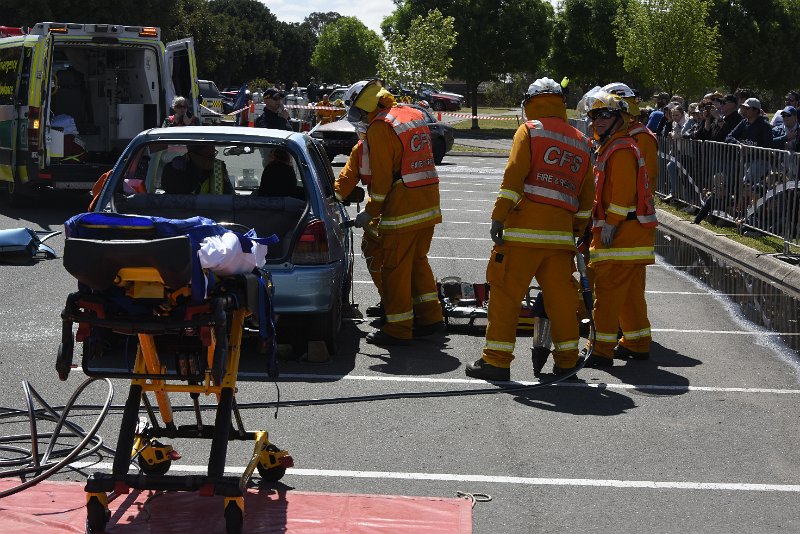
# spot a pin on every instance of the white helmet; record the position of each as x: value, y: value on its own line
x: 355, y: 113
x: 543, y: 86
x: 626, y: 93
x: 619, y: 89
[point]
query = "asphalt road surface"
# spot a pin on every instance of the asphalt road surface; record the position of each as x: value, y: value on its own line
x: 702, y: 438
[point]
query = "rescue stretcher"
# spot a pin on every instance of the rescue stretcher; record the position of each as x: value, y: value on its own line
x: 470, y: 301
x: 143, y: 300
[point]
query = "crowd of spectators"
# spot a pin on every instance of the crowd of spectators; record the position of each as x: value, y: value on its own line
x: 737, y: 119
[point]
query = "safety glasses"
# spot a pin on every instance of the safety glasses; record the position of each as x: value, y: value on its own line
x: 601, y: 115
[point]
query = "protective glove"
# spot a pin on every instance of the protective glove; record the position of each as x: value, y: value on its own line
x: 362, y: 219
x: 607, y: 234
x: 496, y: 231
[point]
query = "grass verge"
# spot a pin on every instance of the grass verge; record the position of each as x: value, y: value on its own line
x: 465, y: 148
x: 766, y: 244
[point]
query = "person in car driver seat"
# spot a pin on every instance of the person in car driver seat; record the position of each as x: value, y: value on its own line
x: 199, y: 171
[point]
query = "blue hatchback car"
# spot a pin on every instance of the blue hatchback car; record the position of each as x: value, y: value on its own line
x: 278, y: 182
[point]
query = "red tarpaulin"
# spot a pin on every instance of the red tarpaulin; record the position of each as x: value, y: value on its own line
x: 52, y: 507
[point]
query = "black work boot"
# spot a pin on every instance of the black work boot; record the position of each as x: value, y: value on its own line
x: 596, y: 361
x: 539, y: 358
x: 376, y: 310
x: 621, y: 353
x: 379, y: 337
x: 486, y: 371
x: 429, y: 329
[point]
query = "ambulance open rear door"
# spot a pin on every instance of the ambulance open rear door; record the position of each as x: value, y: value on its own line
x: 180, y: 75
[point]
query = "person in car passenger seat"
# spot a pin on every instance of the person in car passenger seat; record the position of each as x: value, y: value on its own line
x: 199, y: 171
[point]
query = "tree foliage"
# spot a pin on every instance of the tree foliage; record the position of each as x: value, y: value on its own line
x: 317, y: 20
x: 495, y: 37
x: 758, y: 43
x: 587, y: 53
x: 670, y: 43
x: 347, y: 51
x: 421, y: 55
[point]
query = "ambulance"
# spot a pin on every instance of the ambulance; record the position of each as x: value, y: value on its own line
x: 72, y: 96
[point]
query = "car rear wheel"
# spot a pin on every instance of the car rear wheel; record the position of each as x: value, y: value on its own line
x: 438, y: 105
x: 438, y: 150
x: 324, y: 326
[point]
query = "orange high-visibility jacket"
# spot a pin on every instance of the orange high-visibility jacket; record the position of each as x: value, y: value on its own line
x: 400, y: 208
x: 559, y: 161
x: 417, y: 167
x: 356, y: 169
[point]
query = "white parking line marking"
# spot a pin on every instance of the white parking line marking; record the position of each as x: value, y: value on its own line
x: 469, y: 381
x: 488, y: 479
x: 467, y: 238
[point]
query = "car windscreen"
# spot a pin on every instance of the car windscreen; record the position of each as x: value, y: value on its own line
x: 182, y: 168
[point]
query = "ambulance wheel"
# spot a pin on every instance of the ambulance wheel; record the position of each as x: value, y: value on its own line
x: 158, y: 469
x: 271, y: 474
x: 17, y: 196
x: 438, y: 151
x: 234, y: 519
x: 96, y: 516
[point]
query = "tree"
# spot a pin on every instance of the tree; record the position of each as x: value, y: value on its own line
x: 494, y: 36
x: 423, y: 55
x: 758, y: 43
x: 587, y: 53
x: 347, y: 51
x: 297, y: 44
x: 669, y: 43
x: 317, y: 20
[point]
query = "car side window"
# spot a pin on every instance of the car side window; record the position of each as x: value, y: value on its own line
x: 323, y: 165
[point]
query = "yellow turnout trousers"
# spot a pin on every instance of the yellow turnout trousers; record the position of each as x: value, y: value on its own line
x: 408, y: 287
x: 509, y: 280
x: 620, y: 302
x: 372, y: 251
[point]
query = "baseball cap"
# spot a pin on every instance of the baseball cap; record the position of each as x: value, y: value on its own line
x: 752, y: 103
x: 789, y: 110
x: 273, y: 93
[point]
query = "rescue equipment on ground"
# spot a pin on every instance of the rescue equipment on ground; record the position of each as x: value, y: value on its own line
x: 144, y: 300
x: 22, y: 245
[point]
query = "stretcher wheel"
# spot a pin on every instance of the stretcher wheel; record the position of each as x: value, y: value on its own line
x: 159, y: 468
x: 271, y: 474
x: 234, y: 519
x: 97, y: 516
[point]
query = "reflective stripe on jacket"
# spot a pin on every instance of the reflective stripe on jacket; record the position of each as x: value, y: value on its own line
x: 644, y: 210
x: 364, y: 170
x: 214, y: 185
x: 560, y: 157
x: 417, y: 167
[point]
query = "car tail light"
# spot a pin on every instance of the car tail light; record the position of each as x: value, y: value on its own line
x: 33, y: 129
x: 312, y: 247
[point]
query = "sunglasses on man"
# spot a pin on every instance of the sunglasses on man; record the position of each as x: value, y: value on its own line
x: 602, y: 115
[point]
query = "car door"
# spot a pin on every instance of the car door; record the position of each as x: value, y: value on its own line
x: 179, y: 73
x: 11, y: 61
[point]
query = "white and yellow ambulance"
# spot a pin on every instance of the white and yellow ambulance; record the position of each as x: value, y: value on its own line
x: 72, y: 96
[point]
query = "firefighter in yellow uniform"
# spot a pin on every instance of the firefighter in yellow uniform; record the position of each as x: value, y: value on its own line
x: 404, y: 194
x: 326, y: 112
x: 544, y: 202
x: 623, y: 240
x: 357, y: 169
x: 645, y: 139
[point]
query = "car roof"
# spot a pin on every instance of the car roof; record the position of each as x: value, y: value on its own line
x: 222, y: 134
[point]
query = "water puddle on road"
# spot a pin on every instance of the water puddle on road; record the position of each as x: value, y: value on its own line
x: 752, y: 298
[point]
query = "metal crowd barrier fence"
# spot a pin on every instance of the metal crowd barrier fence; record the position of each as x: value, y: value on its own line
x: 754, y: 188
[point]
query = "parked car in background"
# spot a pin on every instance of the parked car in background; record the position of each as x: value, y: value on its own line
x: 340, y: 136
x: 440, y: 100
x: 312, y: 264
x: 212, y: 99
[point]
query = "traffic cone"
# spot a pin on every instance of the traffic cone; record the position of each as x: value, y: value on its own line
x: 251, y: 115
